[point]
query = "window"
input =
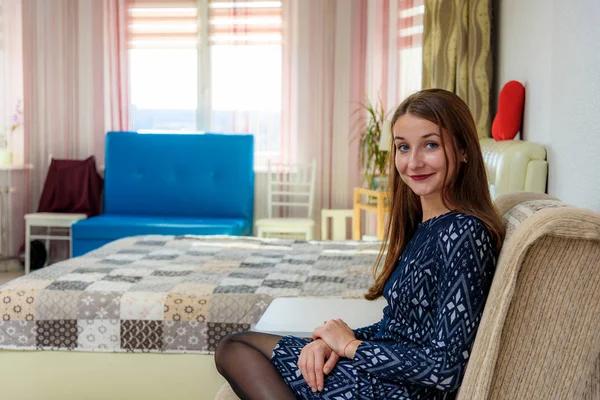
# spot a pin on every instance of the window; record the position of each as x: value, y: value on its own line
x: 163, y: 65
x: 164, y: 93
x: 410, y: 45
x: 226, y: 78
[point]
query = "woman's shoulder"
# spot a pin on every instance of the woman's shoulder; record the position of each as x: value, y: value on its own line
x: 455, y: 224
x: 465, y: 231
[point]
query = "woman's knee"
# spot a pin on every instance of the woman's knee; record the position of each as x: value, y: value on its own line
x: 224, y: 348
x: 221, y: 352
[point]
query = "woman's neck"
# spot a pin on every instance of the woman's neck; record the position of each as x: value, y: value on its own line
x: 432, y: 208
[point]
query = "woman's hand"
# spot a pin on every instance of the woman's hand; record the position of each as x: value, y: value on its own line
x: 312, y: 363
x: 336, y: 333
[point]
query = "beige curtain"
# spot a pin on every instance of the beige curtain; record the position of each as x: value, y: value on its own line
x: 457, y: 53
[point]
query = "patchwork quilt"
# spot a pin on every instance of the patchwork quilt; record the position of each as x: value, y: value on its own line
x: 172, y: 294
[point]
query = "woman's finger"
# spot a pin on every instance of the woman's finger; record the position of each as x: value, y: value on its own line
x: 331, y: 362
x: 302, y: 364
x: 310, y: 370
x: 319, y: 361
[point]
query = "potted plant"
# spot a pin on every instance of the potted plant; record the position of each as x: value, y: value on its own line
x: 372, y: 158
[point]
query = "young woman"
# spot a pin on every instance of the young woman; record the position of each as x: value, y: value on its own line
x: 443, y: 237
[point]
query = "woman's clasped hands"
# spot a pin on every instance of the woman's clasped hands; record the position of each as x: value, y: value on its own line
x: 332, y: 340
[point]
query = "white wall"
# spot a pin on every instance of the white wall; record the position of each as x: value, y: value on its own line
x: 553, y: 48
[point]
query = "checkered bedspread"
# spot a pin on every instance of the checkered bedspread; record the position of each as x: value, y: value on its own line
x: 172, y: 294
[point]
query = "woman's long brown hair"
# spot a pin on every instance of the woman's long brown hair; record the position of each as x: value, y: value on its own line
x: 466, y: 191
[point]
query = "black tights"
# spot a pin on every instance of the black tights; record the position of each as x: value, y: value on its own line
x: 244, y: 359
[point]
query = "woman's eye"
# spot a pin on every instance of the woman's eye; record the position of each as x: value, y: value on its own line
x: 431, y: 145
x: 402, y: 147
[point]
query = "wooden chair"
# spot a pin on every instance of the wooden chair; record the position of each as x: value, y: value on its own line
x: 290, y: 187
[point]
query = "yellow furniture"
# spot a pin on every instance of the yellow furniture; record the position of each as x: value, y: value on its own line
x: 514, y: 166
x: 375, y: 201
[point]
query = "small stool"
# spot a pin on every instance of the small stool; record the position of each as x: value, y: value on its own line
x: 48, y: 221
x: 338, y: 223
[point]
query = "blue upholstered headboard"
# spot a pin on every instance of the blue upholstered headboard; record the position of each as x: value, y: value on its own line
x: 200, y: 175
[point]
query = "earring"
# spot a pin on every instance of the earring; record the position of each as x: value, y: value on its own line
x: 464, y: 160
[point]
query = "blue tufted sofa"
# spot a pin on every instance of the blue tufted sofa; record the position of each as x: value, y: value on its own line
x: 172, y: 184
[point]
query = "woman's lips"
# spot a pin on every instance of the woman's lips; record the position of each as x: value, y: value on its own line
x: 420, y: 177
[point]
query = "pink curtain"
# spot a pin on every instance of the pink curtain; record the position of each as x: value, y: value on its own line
x: 116, y: 30
x: 337, y: 53
x: 323, y: 79
x: 11, y: 122
x: 63, y: 82
x: 75, y: 81
x: 394, y: 50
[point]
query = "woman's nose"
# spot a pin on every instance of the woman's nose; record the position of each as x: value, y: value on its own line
x: 415, y: 160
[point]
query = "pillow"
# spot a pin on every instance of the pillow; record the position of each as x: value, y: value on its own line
x: 508, y: 120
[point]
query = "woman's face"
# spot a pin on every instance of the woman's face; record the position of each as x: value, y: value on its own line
x: 420, y: 158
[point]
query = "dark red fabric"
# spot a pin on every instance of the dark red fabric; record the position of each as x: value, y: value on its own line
x: 511, y: 100
x: 72, y: 186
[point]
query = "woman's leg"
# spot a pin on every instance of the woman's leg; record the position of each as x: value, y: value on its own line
x: 244, y: 359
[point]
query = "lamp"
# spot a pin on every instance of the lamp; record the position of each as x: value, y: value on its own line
x: 386, y: 136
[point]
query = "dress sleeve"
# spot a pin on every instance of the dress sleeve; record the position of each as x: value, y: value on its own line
x: 466, y: 266
x: 367, y: 332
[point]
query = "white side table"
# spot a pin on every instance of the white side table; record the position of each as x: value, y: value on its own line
x: 48, y: 221
x: 5, y: 213
x: 299, y: 316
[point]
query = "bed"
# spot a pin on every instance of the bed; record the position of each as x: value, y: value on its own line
x: 140, y: 318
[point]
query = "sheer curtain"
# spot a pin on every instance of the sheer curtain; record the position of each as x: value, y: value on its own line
x: 11, y: 81
x: 395, y: 48
x: 116, y: 67
x: 336, y: 54
x: 68, y: 104
x: 323, y: 80
x: 11, y: 121
x: 394, y: 51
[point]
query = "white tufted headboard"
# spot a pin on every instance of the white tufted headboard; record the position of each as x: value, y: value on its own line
x: 514, y: 166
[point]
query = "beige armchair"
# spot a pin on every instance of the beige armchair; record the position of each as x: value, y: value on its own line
x: 514, y: 166
x: 539, y: 336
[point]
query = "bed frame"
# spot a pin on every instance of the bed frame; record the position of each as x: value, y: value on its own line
x: 65, y: 375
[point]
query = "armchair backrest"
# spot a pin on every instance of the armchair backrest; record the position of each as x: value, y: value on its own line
x: 539, y: 336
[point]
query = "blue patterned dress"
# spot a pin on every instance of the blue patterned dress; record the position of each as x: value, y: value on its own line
x: 419, y: 349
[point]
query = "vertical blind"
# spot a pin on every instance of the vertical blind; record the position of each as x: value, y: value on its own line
x: 174, y: 24
x: 410, y: 23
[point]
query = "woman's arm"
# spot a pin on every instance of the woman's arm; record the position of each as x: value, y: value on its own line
x: 467, y: 261
x: 367, y: 332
